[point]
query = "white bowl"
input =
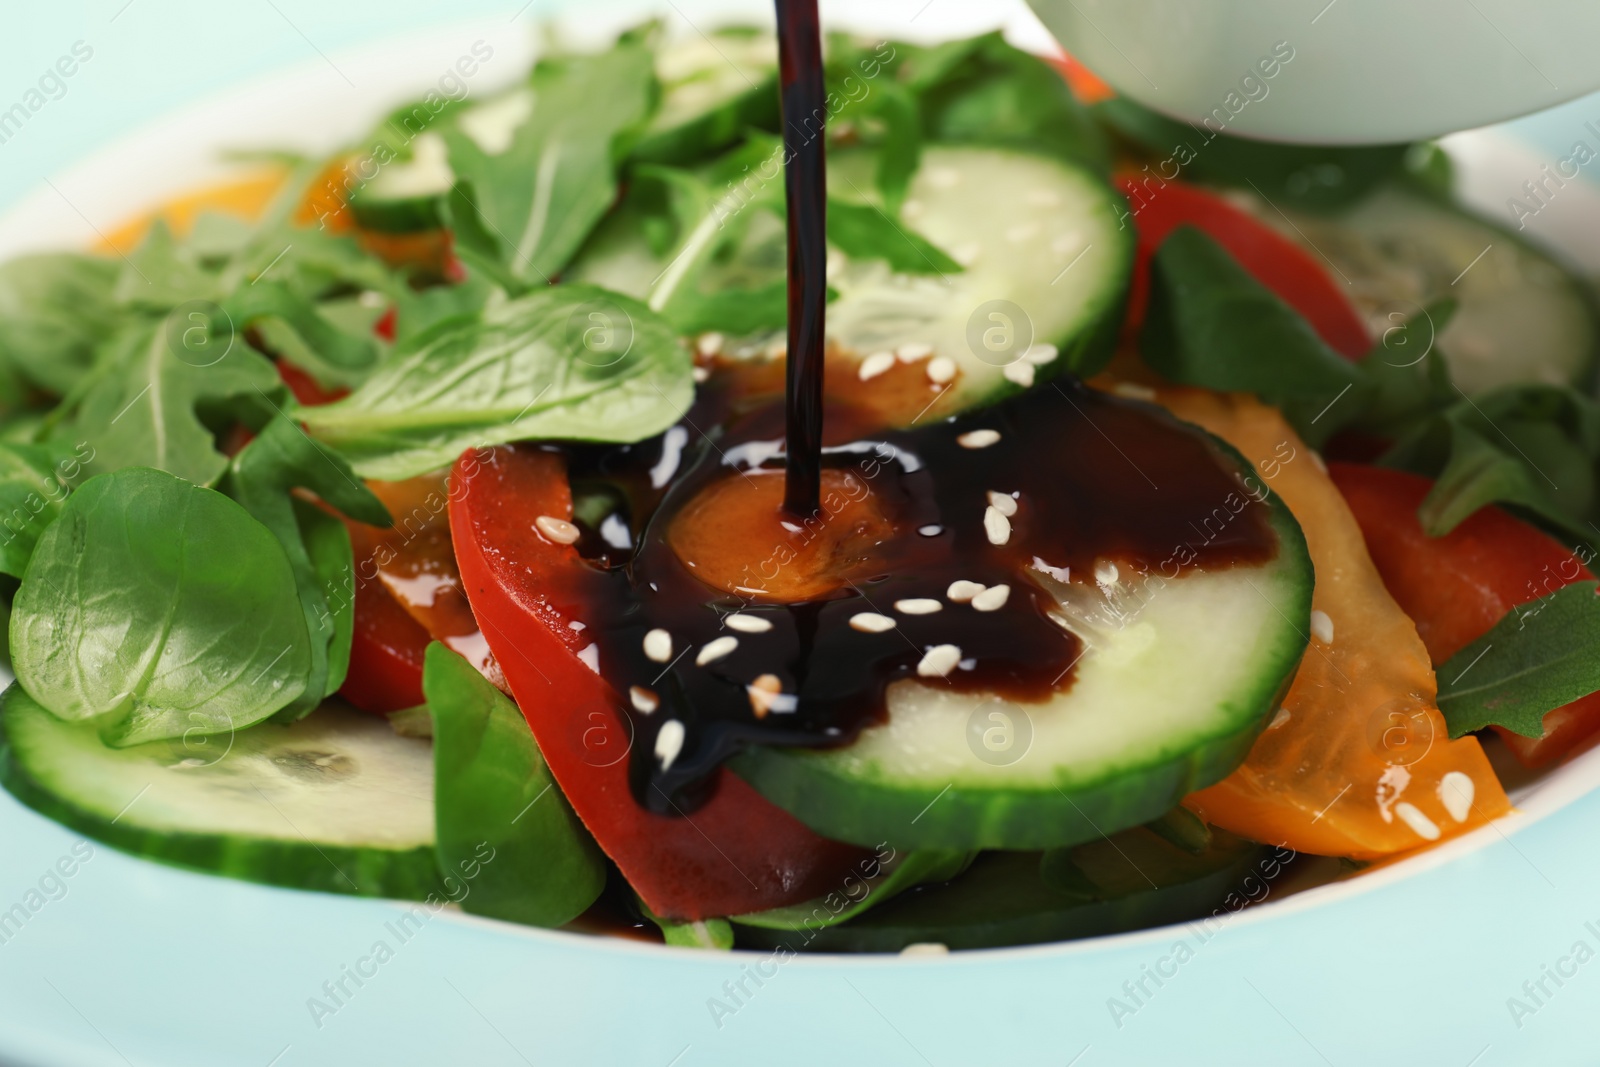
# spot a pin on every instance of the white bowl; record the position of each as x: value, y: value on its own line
x: 1335, y: 71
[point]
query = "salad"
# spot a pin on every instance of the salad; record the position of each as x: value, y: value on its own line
x: 1193, y: 515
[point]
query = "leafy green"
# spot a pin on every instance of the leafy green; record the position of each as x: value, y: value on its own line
x: 1210, y: 323
x: 164, y: 272
x: 864, y: 232
x: 1309, y: 177
x: 1538, y: 657
x: 280, y: 459
x: 346, y: 353
x: 879, y: 881
x: 34, y: 480
x: 55, y: 309
x: 696, y: 119
x: 986, y: 91
x: 714, y: 934
x: 492, y: 788
x: 538, y: 199
x: 568, y: 362
x: 158, y: 608
x: 143, y: 408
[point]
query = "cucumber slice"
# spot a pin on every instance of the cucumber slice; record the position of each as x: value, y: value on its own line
x: 1175, y: 683
x: 1129, y: 881
x: 1045, y: 261
x: 1520, y: 317
x: 407, y: 196
x: 713, y: 88
x: 337, y: 802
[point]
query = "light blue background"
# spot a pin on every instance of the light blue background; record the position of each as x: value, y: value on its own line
x: 138, y: 964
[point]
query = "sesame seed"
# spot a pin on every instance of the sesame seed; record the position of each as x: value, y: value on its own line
x: 1322, y: 627
x: 1134, y: 391
x: 701, y: 374
x: 1020, y: 372
x: 939, y: 661
x: 1003, y: 503
x: 978, y: 438
x: 715, y: 649
x: 917, y: 606
x: 1419, y: 823
x: 1455, y: 793
x: 658, y: 645
x: 747, y: 624
x: 709, y: 344
x: 1279, y: 719
x: 992, y: 598
x: 1041, y: 353
x: 874, y: 365
x: 941, y: 370
x: 913, y: 351
x: 669, y: 742
x: 590, y: 654
x: 933, y: 529
x: 559, y: 531
x: 967, y: 254
x: 1105, y: 572
x: 996, y: 525
x: 762, y: 693
x: 961, y: 591
x: 870, y: 622
x: 926, y: 948
x: 644, y: 700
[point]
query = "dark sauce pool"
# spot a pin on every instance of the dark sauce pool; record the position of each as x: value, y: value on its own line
x: 904, y: 514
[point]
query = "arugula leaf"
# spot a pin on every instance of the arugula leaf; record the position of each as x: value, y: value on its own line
x: 1537, y: 658
x: 571, y: 362
x: 493, y: 790
x: 540, y: 197
x: 879, y: 881
x: 1310, y: 177
x: 54, y: 311
x: 142, y: 409
x: 279, y: 460
x: 863, y: 232
x: 32, y: 488
x: 714, y: 934
x: 698, y: 115
x: 1210, y: 323
x: 348, y: 354
x: 158, y: 608
x: 162, y: 273
x: 986, y: 91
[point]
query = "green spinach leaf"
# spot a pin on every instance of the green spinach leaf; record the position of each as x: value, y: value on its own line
x: 879, y: 880
x: 1537, y: 658
x: 34, y: 481
x: 158, y: 609
x: 55, y: 309
x: 569, y: 362
x: 714, y: 934
x: 492, y: 790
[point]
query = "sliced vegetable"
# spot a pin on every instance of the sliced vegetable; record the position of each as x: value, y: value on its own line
x: 714, y: 87
x: 156, y: 609
x: 386, y: 651
x: 337, y: 802
x: 492, y: 791
x: 1129, y: 880
x: 735, y: 854
x: 1357, y: 762
x: 1460, y: 586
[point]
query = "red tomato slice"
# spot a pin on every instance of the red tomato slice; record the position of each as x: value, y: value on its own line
x: 1457, y: 586
x: 305, y: 388
x: 1158, y: 207
x: 738, y: 852
x: 386, y: 651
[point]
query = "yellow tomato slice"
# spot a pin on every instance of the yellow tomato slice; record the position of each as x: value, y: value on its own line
x: 1358, y: 762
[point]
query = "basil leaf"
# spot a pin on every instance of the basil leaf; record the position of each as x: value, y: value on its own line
x: 571, y: 362
x: 159, y: 609
x: 32, y: 488
x: 143, y: 407
x: 493, y: 792
x: 1310, y: 177
x: 864, y: 232
x: 879, y: 881
x: 1537, y: 658
x: 54, y: 311
x: 986, y: 91
x: 541, y: 196
x: 262, y: 477
x: 1211, y: 324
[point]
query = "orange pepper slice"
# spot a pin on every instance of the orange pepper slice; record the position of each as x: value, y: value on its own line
x: 1358, y: 762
